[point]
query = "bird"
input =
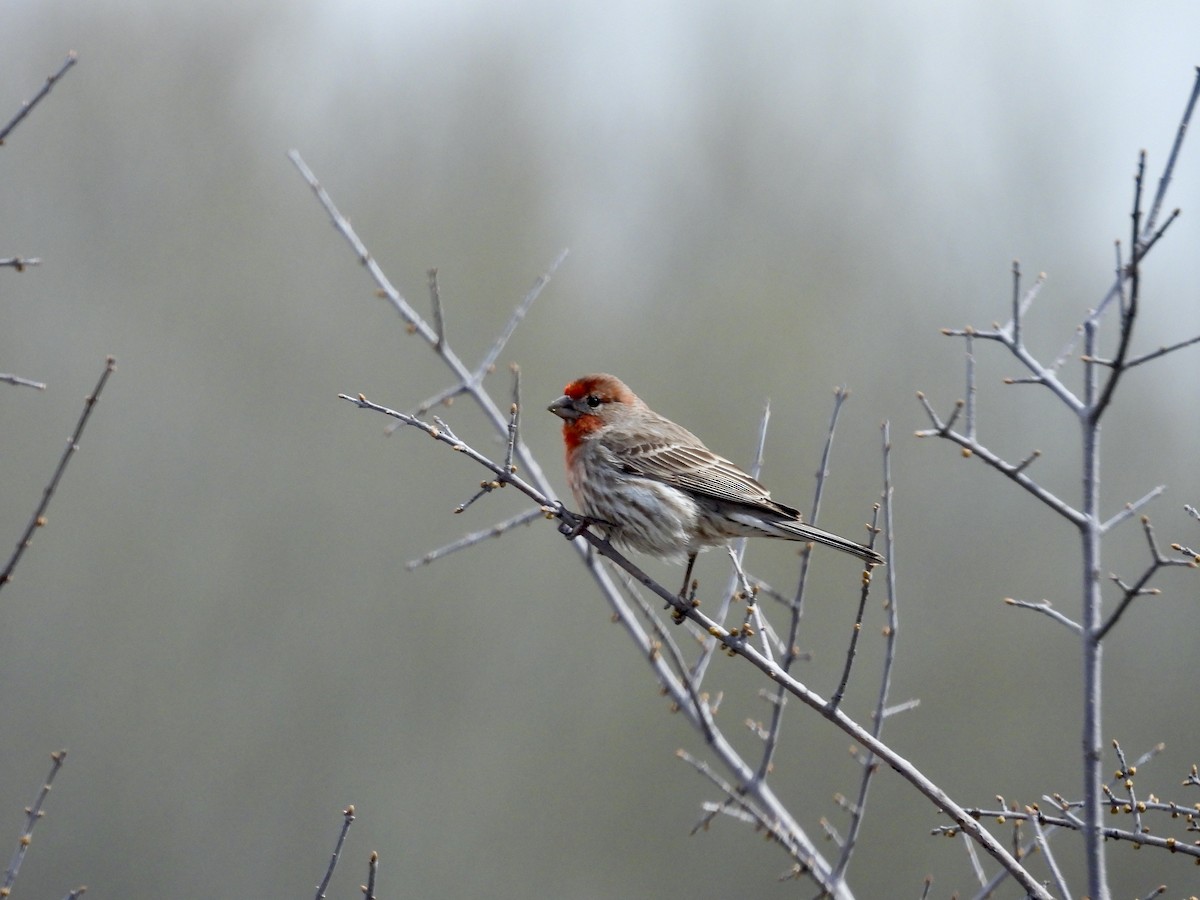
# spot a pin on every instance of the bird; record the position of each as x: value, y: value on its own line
x: 654, y: 487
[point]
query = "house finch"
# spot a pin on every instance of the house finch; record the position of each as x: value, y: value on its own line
x: 654, y: 486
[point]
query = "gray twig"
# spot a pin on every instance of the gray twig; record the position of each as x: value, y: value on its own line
x: 28, y: 105
x: 347, y: 821
x: 38, y: 519
x: 33, y: 815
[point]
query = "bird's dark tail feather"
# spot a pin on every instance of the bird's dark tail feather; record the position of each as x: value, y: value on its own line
x: 805, y: 532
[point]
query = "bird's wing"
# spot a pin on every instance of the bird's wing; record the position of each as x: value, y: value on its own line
x: 689, y: 465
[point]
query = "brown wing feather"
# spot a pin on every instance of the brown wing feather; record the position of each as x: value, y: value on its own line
x: 686, y: 463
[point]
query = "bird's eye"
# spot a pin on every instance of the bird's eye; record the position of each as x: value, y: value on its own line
x: 593, y: 401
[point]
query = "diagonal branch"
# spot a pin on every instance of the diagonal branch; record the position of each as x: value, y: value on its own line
x: 476, y: 537
x: 1047, y: 610
x: 1129, y: 310
x: 347, y: 821
x: 1165, y: 180
x: 38, y: 519
x: 28, y: 105
x: 1161, y: 351
x: 1130, y: 509
x: 18, y: 381
x: 1131, y: 592
x: 1015, y: 472
x: 33, y: 815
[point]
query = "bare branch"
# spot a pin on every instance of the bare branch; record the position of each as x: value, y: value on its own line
x: 477, y: 537
x: 1165, y: 181
x: 1065, y: 807
x: 28, y: 105
x: 1015, y: 472
x: 1044, y: 845
x: 1131, y: 508
x: 342, y: 224
x: 852, y: 649
x: 435, y: 302
x: 33, y: 815
x: 18, y: 381
x: 796, y: 606
x: 1138, y: 588
x: 38, y: 519
x: 347, y: 820
x: 518, y: 314
x: 1039, y: 374
x: 1161, y: 351
x: 514, y: 421
x: 1129, y: 311
x: 1045, y: 609
x: 19, y: 262
x: 882, y: 712
x: 372, y: 872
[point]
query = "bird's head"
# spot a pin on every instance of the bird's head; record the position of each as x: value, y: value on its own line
x: 589, y: 403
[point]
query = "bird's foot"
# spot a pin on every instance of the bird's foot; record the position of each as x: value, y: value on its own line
x: 572, y: 524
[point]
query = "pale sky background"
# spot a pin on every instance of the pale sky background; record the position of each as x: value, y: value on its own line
x: 761, y: 201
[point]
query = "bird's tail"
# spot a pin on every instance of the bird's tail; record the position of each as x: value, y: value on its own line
x: 805, y: 532
x: 795, y: 530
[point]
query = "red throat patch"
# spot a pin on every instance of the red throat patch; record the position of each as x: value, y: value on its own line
x: 576, y: 431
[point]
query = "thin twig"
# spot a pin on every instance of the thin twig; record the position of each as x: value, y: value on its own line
x: 518, y: 314
x: 18, y: 381
x: 972, y: 389
x: 1045, y: 609
x: 347, y: 820
x: 28, y: 105
x: 33, y: 815
x: 1138, y: 588
x: 1015, y: 472
x: 869, y: 764
x: 1161, y: 351
x: 514, y: 420
x: 664, y: 640
x: 1044, y: 845
x: 1165, y: 180
x: 477, y: 537
x: 796, y: 606
x: 1125, y: 776
x: 38, y: 519
x: 1016, y: 302
x: 1130, y: 509
x: 435, y: 301
x: 1129, y: 312
x: 835, y: 698
x: 372, y: 872
x: 1039, y: 373
x: 20, y: 263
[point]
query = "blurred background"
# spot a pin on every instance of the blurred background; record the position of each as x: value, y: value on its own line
x: 761, y: 201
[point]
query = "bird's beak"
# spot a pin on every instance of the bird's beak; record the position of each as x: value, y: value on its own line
x: 564, y: 407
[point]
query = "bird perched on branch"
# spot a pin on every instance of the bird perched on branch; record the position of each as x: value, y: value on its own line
x: 654, y: 487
